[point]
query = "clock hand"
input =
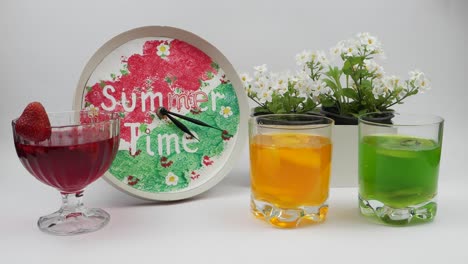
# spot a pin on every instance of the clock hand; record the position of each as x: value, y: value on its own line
x: 164, y: 111
x: 178, y: 124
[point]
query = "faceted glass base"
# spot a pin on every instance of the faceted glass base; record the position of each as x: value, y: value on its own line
x: 288, y: 217
x: 81, y: 221
x: 419, y: 213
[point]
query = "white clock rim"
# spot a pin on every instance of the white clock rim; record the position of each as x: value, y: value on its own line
x: 208, y: 49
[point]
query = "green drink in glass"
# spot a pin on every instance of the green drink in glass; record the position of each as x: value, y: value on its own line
x: 399, y: 168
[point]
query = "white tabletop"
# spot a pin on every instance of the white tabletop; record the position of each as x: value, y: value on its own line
x: 217, y: 227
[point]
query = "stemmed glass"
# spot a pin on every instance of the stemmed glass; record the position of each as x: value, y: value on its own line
x: 80, y: 149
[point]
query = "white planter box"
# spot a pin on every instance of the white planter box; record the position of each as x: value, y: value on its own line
x: 345, y: 156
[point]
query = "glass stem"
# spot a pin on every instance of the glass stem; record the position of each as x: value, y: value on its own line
x: 72, y: 203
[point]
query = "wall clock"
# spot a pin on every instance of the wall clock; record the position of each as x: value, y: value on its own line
x: 183, y: 109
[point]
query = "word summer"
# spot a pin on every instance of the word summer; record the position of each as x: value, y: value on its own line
x: 187, y: 100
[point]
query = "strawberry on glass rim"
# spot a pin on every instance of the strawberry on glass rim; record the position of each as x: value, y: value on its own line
x: 67, y: 151
x: 33, y: 124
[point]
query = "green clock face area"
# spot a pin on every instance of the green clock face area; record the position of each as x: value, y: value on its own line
x: 155, y: 156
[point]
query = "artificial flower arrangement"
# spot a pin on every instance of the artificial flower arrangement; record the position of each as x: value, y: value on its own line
x: 357, y: 86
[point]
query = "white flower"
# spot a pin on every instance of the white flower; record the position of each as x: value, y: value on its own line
x: 320, y: 87
x: 380, y: 88
x: 260, y: 70
x: 246, y: 79
x: 261, y: 84
x: 281, y: 90
x: 171, y: 179
x: 401, y: 92
x: 419, y: 80
x: 371, y: 43
x: 322, y: 58
x: 307, y: 88
x: 303, y: 83
x: 365, y: 44
x: 385, y: 85
x: 92, y: 111
x: 163, y: 50
x: 415, y: 74
x: 373, y: 67
x: 246, y: 82
x: 315, y: 57
x: 378, y: 91
x: 265, y: 96
x: 392, y: 81
x: 249, y: 90
x: 279, y: 83
x: 226, y: 111
x: 336, y: 50
x: 349, y: 48
x: 303, y: 57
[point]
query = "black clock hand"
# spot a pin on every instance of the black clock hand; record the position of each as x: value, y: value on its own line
x: 164, y: 111
x: 179, y: 124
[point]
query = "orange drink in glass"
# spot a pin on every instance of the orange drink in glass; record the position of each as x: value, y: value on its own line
x: 290, y: 162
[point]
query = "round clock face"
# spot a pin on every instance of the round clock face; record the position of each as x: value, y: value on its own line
x: 144, y: 69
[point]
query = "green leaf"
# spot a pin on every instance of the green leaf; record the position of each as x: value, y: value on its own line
x: 89, y: 88
x: 124, y: 71
x: 295, y: 101
x: 143, y: 127
x: 282, y: 111
x: 274, y: 108
x: 214, y: 65
x: 363, y: 111
x: 113, y: 76
x: 350, y: 93
x: 288, y: 103
x: 356, y: 60
x: 260, y: 109
x: 309, y: 105
x: 338, y: 93
x: 102, y: 84
x: 210, y: 75
x: 334, y: 72
x: 331, y: 84
x: 366, y: 84
x: 347, y: 67
x: 327, y: 102
x: 87, y: 104
x: 169, y: 81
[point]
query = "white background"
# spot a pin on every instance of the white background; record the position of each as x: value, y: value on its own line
x: 44, y: 45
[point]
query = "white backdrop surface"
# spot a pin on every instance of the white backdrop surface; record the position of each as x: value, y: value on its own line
x: 44, y: 46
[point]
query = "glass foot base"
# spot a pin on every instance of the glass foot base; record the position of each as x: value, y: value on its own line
x: 288, y: 217
x: 76, y: 222
x: 419, y: 213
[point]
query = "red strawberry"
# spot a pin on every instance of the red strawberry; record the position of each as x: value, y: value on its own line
x: 33, y: 124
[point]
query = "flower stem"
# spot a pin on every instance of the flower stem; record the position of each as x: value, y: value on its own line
x: 260, y: 104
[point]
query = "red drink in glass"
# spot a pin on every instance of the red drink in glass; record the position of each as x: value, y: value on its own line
x: 80, y: 149
x: 68, y: 168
